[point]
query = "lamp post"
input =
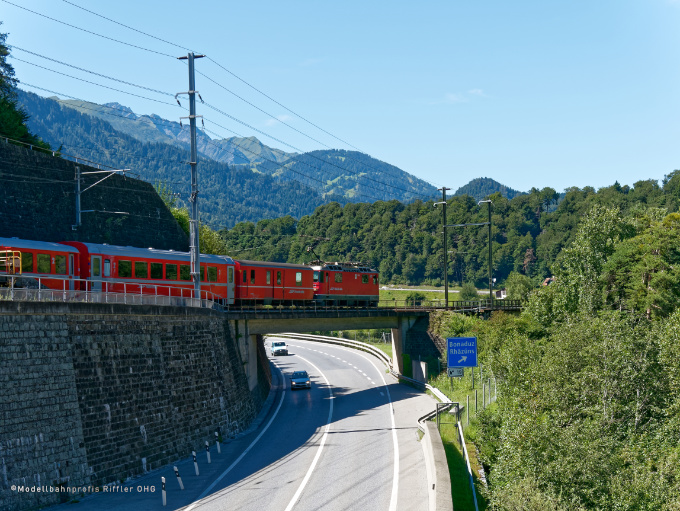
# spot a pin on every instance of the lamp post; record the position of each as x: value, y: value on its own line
x: 490, y: 253
x: 446, y: 262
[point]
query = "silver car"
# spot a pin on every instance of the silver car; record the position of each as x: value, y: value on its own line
x: 300, y: 380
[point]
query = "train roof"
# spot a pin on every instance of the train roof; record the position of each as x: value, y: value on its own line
x: 152, y: 253
x: 266, y: 264
x: 350, y: 267
x: 36, y: 245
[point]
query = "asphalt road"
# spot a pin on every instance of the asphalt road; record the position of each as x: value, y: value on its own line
x: 350, y: 442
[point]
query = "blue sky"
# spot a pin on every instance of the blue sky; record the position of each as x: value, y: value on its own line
x: 530, y: 93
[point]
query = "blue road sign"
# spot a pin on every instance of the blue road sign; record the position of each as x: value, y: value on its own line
x: 461, y: 352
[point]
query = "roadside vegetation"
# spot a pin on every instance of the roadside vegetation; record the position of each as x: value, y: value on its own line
x: 588, y: 376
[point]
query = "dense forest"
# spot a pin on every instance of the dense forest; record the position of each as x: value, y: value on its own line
x: 228, y: 194
x: 405, y: 241
x: 588, y: 376
x: 347, y: 176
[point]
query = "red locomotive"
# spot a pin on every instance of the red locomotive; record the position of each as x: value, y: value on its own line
x: 345, y: 284
x: 97, y: 268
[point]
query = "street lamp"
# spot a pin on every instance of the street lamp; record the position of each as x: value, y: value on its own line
x: 446, y: 266
x: 489, y: 202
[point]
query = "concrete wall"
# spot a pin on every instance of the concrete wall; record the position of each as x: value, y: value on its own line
x: 96, y: 393
x: 37, y: 202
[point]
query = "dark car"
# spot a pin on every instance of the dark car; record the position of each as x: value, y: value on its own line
x: 300, y: 380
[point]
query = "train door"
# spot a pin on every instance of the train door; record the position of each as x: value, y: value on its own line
x: 71, y: 271
x: 230, y: 285
x: 96, y: 274
x: 278, y: 285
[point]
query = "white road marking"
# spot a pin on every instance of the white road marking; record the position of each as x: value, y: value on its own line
x: 395, y: 442
x: 209, y: 488
x: 298, y: 493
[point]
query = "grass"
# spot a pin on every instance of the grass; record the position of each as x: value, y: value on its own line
x: 385, y: 347
x: 457, y: 390
x: 460, y: 479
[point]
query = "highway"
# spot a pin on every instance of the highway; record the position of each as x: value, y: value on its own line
x: 349, y: 442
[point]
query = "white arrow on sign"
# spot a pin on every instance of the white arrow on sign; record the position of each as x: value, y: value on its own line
x: 462, y: 359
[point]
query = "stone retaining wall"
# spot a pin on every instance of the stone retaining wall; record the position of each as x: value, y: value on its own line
x: 92, y: 394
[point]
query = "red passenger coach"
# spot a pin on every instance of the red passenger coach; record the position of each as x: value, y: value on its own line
x: 273, y: 283
x: 51, y: 265
x: 117, y: 269
x: 345, y: 284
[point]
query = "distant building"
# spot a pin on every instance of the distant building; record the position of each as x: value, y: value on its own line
x: 548, y: 281
x: 501, y: 294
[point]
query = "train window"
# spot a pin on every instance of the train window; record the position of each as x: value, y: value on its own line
x: 141, y: 269
x: 156, y: 270
x: 202, y: 272
x: 375, y: 280
x: 231, y: 275
x: 316, y: 276
x: 43, y: 263
x: 364, y: 279
x: 298, y: 278
x: 27, y: 262
x: 212, y: 274
x: 107, y: 267
x: 125, y: 269
x: 96, y: 267
x: 252, y: 276
x: 269, y: 277
x: 278, y: 278
x: 338, y: 277
x: 245, y: 276
x: 171, y: 272
x: 184, y: 272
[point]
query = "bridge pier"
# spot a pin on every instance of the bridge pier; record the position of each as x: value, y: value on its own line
x: 247, y: 343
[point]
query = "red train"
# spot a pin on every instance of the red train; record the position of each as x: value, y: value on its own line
x: 92, y: 267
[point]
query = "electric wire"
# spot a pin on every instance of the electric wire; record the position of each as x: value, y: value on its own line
x: 126, y: 26
x: 93, y: 83
x: 88, y: 31
x: 412, y: 193
x: 227, y: 115
x: 92, y: 72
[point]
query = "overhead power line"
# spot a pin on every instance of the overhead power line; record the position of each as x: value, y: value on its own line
x: 236, y: 95
x: 92, y: 83
x: 93, y: 72
x: 88, y: 31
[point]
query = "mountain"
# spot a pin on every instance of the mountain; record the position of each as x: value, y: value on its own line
x: 483, y: 187
x: 352, y: 175
x: 228, y: 194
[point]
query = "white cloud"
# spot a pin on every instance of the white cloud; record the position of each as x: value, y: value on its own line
x: 477, y: 92
x: 279, y: 119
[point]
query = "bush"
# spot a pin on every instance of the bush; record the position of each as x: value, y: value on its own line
x: 469, y: 292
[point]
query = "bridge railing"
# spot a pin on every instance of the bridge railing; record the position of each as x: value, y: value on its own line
x: 65, y: 289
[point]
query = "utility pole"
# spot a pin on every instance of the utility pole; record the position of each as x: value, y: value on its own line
x: 79, y: 192
x: 193, y: 198
x: 446, y: 252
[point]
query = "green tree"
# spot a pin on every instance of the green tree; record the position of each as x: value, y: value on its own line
x: 469, y: 292
x: 12, y: 118
x: 518, y: 286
